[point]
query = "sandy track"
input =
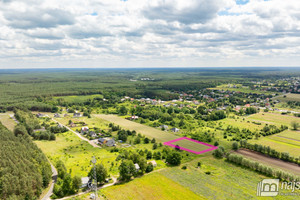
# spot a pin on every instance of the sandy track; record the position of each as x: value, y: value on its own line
x: 285, y: 166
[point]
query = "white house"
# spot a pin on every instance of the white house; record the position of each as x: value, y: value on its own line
x: 84, y: 129
x: 153, y: 163
x: 76, y: 115
x: 84, y: 182
x: 137, y: 167
x: 164, y: 127
x: 175, y: 130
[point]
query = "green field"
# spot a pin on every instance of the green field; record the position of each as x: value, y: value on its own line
x: 226, y: 181
x: 289, y: 97
x: 76, y: 153
x: 279, y: 144
x: 78, y: 99
x: 91, y: 122
x: 240, y: 123
x: 274, y: 118
x: 239, y: 88
x: 290, y: 134
x: 7, y: 121
x: 191, y: 145
x: 161, y: 136
x: 152, y: 186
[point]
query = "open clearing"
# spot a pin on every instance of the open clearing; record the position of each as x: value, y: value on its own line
x: 274, y: 118
x: 79, y: 98
x: 289, y: 97
x: 286, y: 166
x: 152, y: 186
x: 75, y: 153
x: 226, y: 181
x: 240, y: 123
x: 7, y: 121
x: 190, y: 145
x: 161, y: 136
x: 290, y: 134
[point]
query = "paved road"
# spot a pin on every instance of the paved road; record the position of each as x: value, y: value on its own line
x: 286, y: 166
x: 80, y: 136
x: 54, y: 178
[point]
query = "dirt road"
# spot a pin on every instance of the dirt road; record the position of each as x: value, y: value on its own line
x: 80, y: 136
x: 285, y: 166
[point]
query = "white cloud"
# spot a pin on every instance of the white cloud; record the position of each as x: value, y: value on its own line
x: 157, y: 33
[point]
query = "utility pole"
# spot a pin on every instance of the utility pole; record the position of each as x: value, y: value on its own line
x: 95, y: 177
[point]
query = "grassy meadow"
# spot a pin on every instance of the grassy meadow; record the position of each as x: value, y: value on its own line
x: 76, y: 153
x: 78, y: 98
x: 273, y: 118
x: 226, y: 181
x: 288, y: 97
x: 191, y: 145
x: 160, y: 136
x: 7, y: 121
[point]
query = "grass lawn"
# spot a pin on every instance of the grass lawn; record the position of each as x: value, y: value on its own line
x: 289, y: 97
x: 276, y: 118
x: 160, y: 136
x: 191, y: 145
x: 79, y: 98
x: 76, y: 154
x: 226, y: 181
x: 240, y: 123
x: 7, y: 121
x: 290, y: 134
x: 152, y: 186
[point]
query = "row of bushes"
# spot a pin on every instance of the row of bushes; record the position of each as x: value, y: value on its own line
x: 268, y: 171
x: 269, y: 151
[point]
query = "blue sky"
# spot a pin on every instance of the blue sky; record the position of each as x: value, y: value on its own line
x: 156, y: 33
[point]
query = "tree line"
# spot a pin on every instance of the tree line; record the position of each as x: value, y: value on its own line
x: 24, y: 169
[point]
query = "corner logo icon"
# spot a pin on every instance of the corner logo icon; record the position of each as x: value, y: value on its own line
x: 268, y: 188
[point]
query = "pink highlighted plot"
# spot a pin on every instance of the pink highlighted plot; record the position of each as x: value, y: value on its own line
x: 190, y: 145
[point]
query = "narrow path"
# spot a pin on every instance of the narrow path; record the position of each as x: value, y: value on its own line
x: 80, y: 136
x: 13, y: 117
x: 286, y: 166
x: 54, y: 178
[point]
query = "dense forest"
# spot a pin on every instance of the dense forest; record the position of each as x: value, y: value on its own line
x: 24, y: 169
x: 29, y: 88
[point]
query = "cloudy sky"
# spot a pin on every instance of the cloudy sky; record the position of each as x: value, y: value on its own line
x: 149, y: 33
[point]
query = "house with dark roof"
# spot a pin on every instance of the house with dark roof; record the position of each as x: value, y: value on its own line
x: 175, y: 130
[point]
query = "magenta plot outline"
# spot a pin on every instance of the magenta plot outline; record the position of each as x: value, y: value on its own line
x: 169, y: 143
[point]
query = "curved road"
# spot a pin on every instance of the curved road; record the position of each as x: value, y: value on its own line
x: 81, y: 193
x: 54, y: 171
x: 54, y: 178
